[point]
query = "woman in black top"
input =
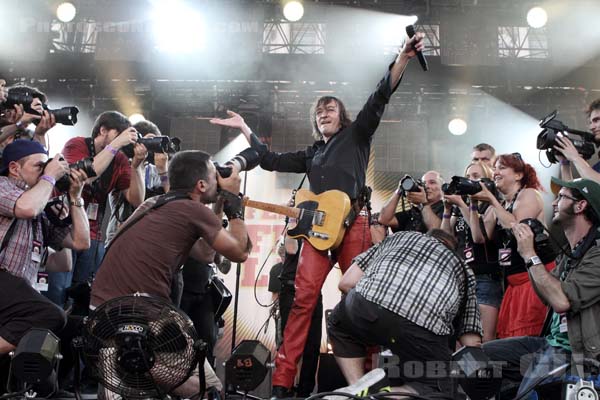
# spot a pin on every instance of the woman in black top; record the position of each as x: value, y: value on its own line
x: 481, y: 257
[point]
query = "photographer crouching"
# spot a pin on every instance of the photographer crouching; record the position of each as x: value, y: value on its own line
x: 572, y: 290
x: 26, y: 185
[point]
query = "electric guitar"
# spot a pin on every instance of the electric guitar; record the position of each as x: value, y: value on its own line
x: 320, y: 216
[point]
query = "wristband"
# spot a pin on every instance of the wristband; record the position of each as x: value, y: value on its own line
x: 111, y: 149
x: 164, y: 178
x: 49, y: 179
x: 565, y: 162
x: 474, y: 207
x: 446, y: 216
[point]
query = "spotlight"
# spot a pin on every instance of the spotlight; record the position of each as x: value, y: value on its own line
x: 135, y: 118
x: 65, y: 12
x: 178, y: 28
x: 293, y: 10
x: 537, y: 17
x: 457, y: 126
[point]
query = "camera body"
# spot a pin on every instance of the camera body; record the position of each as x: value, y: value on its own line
x: 86, y: 165
x: 462, y: 186
x: 541, y: 241
x: 546, y: 139
x: 409, y: 184
x: 64, y: 115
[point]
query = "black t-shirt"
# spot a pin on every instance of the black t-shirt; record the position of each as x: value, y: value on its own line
x: 196, y: 276
x: 412, y: 220
x: 290, y: 264
x: 274, y: 282
x: 485, y: 254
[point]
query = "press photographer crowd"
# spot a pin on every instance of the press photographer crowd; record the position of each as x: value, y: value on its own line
x: 461, y: 278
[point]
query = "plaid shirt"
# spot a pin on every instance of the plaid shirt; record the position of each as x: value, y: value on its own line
x: 418, y: 278
x: 16, y: 256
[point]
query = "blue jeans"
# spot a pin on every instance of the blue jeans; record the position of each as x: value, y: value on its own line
x: 525, y: 359
x: 85, y: 265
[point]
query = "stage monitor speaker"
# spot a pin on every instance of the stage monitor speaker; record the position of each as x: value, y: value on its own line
x: 35, y: 356
x: 248, y: 365
x: 329, y: 375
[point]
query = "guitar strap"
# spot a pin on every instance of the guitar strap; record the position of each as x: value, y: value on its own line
x: 363, y: 199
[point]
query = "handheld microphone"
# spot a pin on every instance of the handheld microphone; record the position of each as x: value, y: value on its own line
x: 410, y: 31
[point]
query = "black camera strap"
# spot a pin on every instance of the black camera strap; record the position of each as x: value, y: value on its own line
x: 161, y: 201
x: 8, y: 234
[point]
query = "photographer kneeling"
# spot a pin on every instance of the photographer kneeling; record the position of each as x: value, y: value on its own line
x: 572, y: 291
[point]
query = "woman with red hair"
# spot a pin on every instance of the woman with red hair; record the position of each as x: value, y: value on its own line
x: 521, y: 312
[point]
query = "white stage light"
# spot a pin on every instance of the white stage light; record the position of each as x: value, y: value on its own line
x: 293, y: 11
x: 537, y: 17
x: 178, y: 28
x: 457, y: 126
x: 135, y: 118
x: 65, y: 12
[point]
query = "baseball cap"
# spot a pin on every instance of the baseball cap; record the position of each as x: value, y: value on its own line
x: 19, y: 149
x: 588, y: 188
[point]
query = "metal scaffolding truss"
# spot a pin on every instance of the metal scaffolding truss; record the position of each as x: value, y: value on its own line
x: 74, y: 37
x: 522, y: 42
x: 294, y: 38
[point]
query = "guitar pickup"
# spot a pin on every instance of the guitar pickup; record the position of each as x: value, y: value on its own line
x: 318, y: 235
x: 318, y: 218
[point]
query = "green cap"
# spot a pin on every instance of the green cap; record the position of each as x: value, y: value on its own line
x: 588, y: 188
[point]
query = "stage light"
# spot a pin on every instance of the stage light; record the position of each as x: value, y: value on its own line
x: 135, y: 118
x: 457, y: 126
x: 178, y: 28
x: 293, y: 11
x: 537, y: 17
x: 65, y: 12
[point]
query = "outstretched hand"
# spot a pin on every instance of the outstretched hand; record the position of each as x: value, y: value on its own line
x: 235, y: 120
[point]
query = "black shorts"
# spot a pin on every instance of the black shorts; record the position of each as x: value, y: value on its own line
x: 420, y: 356
x: 23, y: 308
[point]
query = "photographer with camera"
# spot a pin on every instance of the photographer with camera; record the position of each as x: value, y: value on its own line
x: 480, y: 257
x: 426, y: 208
x: 485, y: 153
x: 570, y: 155
x: 521, y: 312
x: 15, y: 118
x: 111, y: 132
x: 572, y: 290
x: 26, y: 185
x: 156, y: 181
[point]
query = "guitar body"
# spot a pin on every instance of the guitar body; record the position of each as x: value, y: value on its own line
x: 321, y: 219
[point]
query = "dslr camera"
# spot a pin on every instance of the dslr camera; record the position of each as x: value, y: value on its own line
x: 541, y: 241
x: 464, y: 187
x: 64, y: 115
x: 410, y: 184
x: 157, y: 144
x: 546, y: 140
x: 86, y: 165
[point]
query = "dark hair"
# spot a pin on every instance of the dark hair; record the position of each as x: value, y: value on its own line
x: 514, y: 161
x: 484, y: 147
x: 35, y: 92
x: 446, y: 238
x: 144, y: 127
x: 589, y: 212
x: 186, y: 168
x: 594, y: 105
x: 345, y: 120
x: 110, y: 120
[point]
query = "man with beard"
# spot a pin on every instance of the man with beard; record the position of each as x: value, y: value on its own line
x: 572, y: 290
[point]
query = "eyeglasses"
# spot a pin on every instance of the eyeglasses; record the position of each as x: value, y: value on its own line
x: 561, y: 196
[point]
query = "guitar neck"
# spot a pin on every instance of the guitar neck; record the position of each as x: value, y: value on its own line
x: 283, y: 210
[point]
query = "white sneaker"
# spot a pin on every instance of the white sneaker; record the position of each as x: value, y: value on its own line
x: 373, y: 382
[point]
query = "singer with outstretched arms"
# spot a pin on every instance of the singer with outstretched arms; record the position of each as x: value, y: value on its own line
x: 337, y: 160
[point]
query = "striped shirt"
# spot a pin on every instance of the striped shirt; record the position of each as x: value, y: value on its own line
x: 16, y: 256
x: 420, y: 279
